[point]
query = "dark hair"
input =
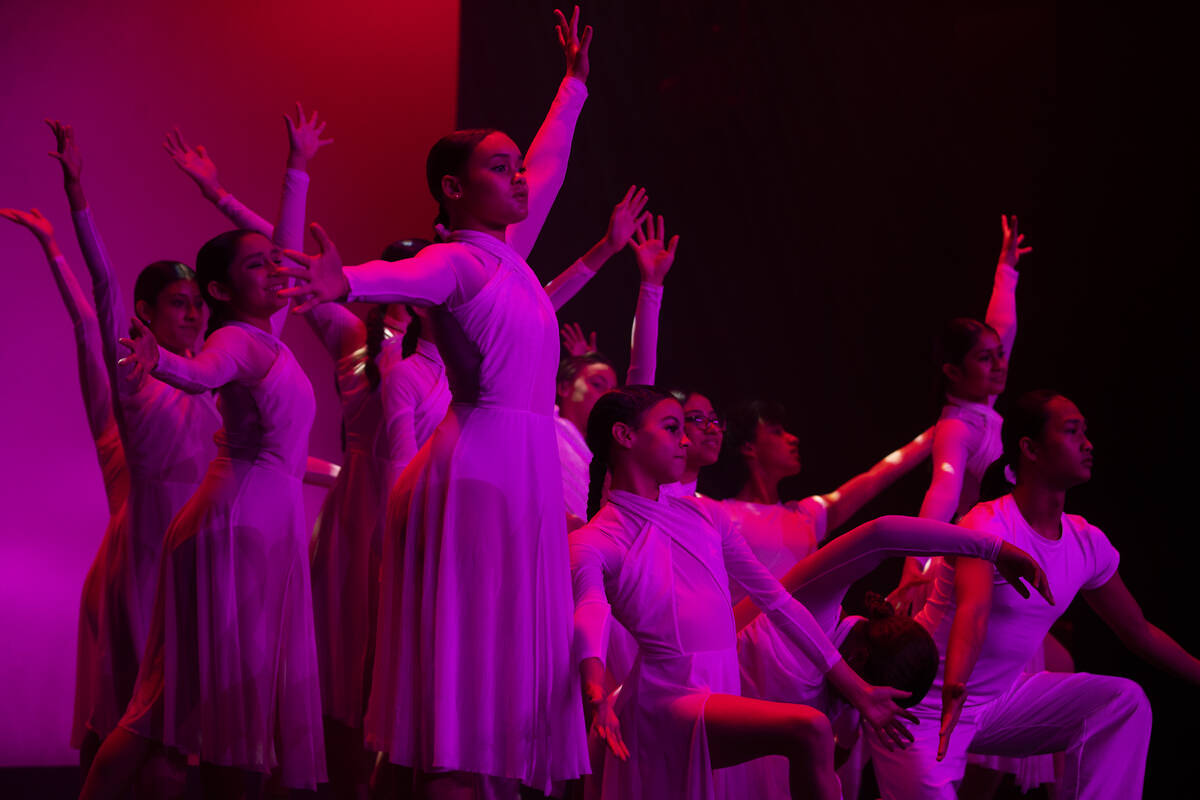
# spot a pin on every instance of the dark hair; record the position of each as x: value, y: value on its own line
x: 212, y: 265
x: 570, y: 367
x: 448, y: 156
x: 900, y: 652
x: 396, y: 251
x: 959, y: 336
x: 729, y: 474
x: 627, y: 404
x: 1026, y: 417
x: 158, y: 276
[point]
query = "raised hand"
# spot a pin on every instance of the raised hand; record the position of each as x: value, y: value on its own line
x: 574, y: 341
x: 654, y: 260
x: 1011, y: 249
x: 195, y: 163
x: 575, y: 47
x: 304, y: 138
x: 37, y: 224
x: 627, y: 217
x: 1013, y: 564
x: 321, y: 277
x: 953, y: 697
x: 144, y: 347
x: 879, y: 709
x: 67, y: 152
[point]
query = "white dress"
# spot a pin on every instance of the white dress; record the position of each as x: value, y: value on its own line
x: 473, y: 670
x: 662, y: 569
x: 230, y: 668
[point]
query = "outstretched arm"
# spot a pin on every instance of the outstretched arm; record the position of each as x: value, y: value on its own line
x: 548, y: 154
x: 110, y: 309
x: 1002, y: 306
x: 950, y: 448
x: 845, y: 501
x: 229, y: 354
x: 655, y: 255
x: 876, y: 703
x: 821, y: 580
x: 426, y: 279
x: 89, y: 352
x: 625, y: 219
x: 1121, y: 612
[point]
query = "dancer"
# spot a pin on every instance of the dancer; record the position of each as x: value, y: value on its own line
x: 966, y: 439
x: 230, y: 669
x: 472, y: 684
x: 757, y: 452
x: 885, y: 648
x: 106, y: 662
x: 350, y: 521
x: 664, y: 564
x: 982, y: 698
x: 585, y: 374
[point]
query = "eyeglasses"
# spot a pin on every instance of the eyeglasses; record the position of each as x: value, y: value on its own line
x: 704, y: 422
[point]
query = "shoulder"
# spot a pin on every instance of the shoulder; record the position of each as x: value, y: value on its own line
x: 1089, y: 536
x: 952, y: 426
x: 989, y: 517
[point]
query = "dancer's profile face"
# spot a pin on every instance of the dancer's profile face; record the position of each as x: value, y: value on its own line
x: 660, y: 445
x: 254, y: 279
x: 983, y: 372
x: 704, y: 435
x: 1063, y: 451
x: 397, y: 319
x: 492, y: 186
x: 577, y: 398
x: 776, y: 450
x: 177, y: 317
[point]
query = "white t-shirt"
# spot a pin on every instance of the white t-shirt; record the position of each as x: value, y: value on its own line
x: 1082, y: 559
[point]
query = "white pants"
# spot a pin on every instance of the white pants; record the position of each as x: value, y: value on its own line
x: 1102, y: 722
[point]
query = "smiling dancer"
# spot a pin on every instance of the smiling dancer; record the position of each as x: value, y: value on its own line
x: 982, y: 698
x: 661, y: 566
x: 473, y: 685
x: 106, y: 662
x: 230, y: 669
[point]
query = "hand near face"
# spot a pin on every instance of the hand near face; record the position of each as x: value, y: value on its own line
x: 144, y: 347
x: 574, y: 47
x: 320, y: 277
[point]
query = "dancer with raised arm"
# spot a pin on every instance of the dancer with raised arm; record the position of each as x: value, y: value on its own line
x: 106, y: 662
x: 757, y: 453
x: 473, y: 685
x: 966, y: 438
x: 661, y: 566
x: 982, y: 698
x: 230, y: 669
x: 584, y: 375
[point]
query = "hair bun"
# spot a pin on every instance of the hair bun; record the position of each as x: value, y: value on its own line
x: 878, y: 607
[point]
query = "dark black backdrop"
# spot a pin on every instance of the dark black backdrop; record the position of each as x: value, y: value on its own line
x: 837, y: 174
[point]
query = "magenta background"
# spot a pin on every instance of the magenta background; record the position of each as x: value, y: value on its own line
x: 384, y: 75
